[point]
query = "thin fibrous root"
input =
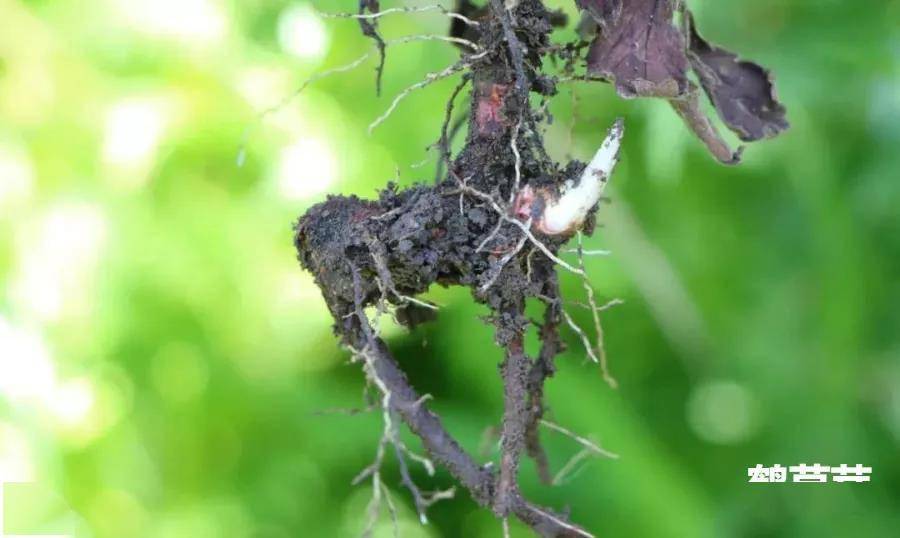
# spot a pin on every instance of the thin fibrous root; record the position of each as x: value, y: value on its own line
x: 443, y: 143
x: 386, y: 282
x: 514, y: 145
x: 606, y: 306
x: 595, y: 314
x: 392, y: 510
x: 429, y: 79
x: 586, y: 443
x: 521, y: 225
x: 568, y: 526
x: 581, y: 334
x: 586, y: 342
x: 434, y: 37
x: 349, y: 411
x: 496, y: 270
x: 490, y: 237
x: 393, y: 10
x: 571, y: 467
x: 242, y: 151
x: 598, y: 252
x: 389, y: 435
x: 589, y: 449
x: 406, y: 299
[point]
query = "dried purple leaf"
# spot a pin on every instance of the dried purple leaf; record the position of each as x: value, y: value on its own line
x: 742, y: 91
x: 689, y: 108
x: 638, y: 48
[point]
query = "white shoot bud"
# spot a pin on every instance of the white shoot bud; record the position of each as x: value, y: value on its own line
x: 568, y: 212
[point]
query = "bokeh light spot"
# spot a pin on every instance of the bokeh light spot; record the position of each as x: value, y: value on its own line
x: 306, y: 168
x: 26, y: 369
x: 132, y: 133
x: 263, y: 86
x: 302, y: 33
x: 57, y: 263
x: 16, y: 175
x: 72, y: 402
x: 722, y: 412
x: 190, y: 21
x: 15, y: 457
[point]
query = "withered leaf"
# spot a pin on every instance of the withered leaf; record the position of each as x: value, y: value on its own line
x: 741, y: 91
x: 690, y: 110
x: 638, y: 47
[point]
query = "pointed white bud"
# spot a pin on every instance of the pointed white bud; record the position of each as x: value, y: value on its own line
x: 567, y: 213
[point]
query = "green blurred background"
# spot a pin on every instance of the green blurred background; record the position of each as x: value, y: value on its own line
x: 163, y: 357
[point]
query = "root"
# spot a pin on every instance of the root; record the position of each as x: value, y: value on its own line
x: 514, y: 46
x: 515, y: 419
x: 443, y: 144
x: 286, y: 100
x: 504, y: 215
x: 395, y: 10
x: 590, y: 449
x: 369, y: 29
x: 497, y: 269
x: 386, y: 282
x: 599, y: 252
x: 595, y: 314
x: 586, y: 443
x: 501, y: 244
x: 517, y: 167
x: 541, y: 370
x: 400, y: 399
x: 588, y: 347
x: 571, y: 468
x: 381, y: 253
x: 389, y: 435
x: 242, y: 149
x: 572, y: 530
x: 429, y: 79
x: 435, y: 37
